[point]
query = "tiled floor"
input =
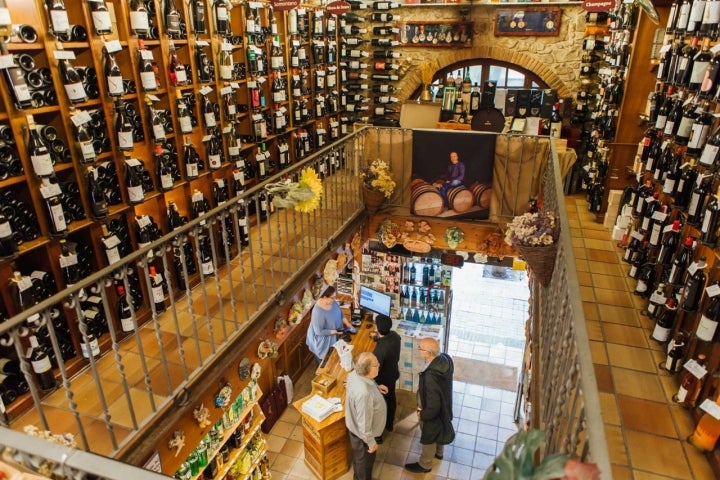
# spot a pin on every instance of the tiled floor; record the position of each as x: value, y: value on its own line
x: 644, y: 428
x: 484, y: 415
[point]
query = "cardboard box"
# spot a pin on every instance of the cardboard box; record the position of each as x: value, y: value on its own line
x: 614, y: 197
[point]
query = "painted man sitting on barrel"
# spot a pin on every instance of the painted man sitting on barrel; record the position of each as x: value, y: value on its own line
x: 452, y: 177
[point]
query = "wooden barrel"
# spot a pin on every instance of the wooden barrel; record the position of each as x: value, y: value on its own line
x: 482, y: 194
x: 426, y: 199
x: 460, y: 198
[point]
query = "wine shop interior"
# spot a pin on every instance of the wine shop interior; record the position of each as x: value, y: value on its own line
x: 534, y: 186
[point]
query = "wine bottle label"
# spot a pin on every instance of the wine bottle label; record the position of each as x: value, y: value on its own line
x: 681, y: 394
x: 139, y: 21
x: 94, y: 348
x: 5, y: 230
x: 185, y: 124
x: 209, y: 119
x: 709, y: 154
x: 166, y: 181
x: 633, y: 271
x: 115, y: 85
x: 207, y: 267
x: 157, y: 294
x: 125, y: 140
x: 707, y: 220
x: 214, y: 161
x: 641, y: 287
x: 59, y: 20
x: 192, y: 170
x: 136, y: 194
x: 41, y: 366
x: 660, y: 122
x: 669, y: 127
x: 75, y: 92
x: 706, y: 329
x: 685, y: 127
x: 226, y: 72
x: 102, y: 22
x: 158, y: 132
x: 148, y: 80
x: 180, y: 77
x: 126, y: 322
x: 669, y: 186
x: 88, y: 151
x: 42, y: 164
x: 698, y: 136
x: 58, y: 218
x: 661, y: 334
x: 279, y: 96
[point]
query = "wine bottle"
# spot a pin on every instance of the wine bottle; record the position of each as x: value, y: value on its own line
x: 675, y: 353
x: 38, y: 152
x: 102, y: 22
x: 139, y: 20
x: 71, y: 81
x: 691, y: 382
x: 711, y: 150
x: 172, y: 19
x: 664, y: 110
x: 190, y: 158
x: 182, y: 112
x: 646, y: 280
x: 14, y: 78
x: 670, y: 243
x: 198, y: 16
x: 89, y: 344
x: 59, y: 22
x: 176, y: 69
x: 8, y: 244
x: 681, y: 263
x: 123, y: 127
x: 51, y: 193
x: 707, y: 430
x: 707, y: 327
x: 695, y: 285
x: 157, y: 285
x: 113, y: 76
x: 711, y: 221
x: 41, y: 365
x: 96, y: 195
x: 136, y: 193
x: 222, y: 17
x: 637, y: 260
x: 163, y: 171
x: 207, y: 266
x: 124, y: 311
x: 147, y: 68
x: 657, y: 300
x: 665, y: 322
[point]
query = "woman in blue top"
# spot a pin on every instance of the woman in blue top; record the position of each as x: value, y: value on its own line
x: 326, y: 323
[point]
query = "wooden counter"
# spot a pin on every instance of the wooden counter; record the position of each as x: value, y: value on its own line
x: 327, y: 447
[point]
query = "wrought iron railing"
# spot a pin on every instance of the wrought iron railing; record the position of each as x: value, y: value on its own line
x: 139, y: 375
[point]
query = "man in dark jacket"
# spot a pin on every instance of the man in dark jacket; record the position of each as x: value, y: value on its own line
x: 387, y: 351
x: 434, y: 405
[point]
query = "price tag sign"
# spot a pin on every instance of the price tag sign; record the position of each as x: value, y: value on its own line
x: 667, y: 228
x: 711, y: 407
x: 235, y: 85
x: 68, y: 260
x: 143, y: 221
x: 227, y: 129
x: 692, y: 268
x: 205, y: 90
x: 203, y: 43
x: 7, y: 61
x: 111, y: 242
x: 146, y: 54
x: 695, y: 368
x: 132, y: 162
x: 64, y: 55
x: 207, y: 138
x: 226, y: 90
x: 261, y: 80
x: 252, y: 84
x: 50, y: 190
x: 24, y: 283
x: 197, y: 197
x: 152, y: 97
x: 637, y: 235
x: 712, y: 290
x: 220, y: 182
x: 113, y: 46
x: 80, y: 118
x: 659, y: 216
x: 658, y: 298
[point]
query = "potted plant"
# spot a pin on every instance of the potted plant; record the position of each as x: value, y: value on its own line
x: 378, y: 185
x: 534, y: 235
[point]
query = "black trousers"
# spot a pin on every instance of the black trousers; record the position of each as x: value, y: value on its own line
x: 391, y: 402
x: 362, y: 460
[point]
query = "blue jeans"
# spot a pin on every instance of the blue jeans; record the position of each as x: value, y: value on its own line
x: 447, y: 186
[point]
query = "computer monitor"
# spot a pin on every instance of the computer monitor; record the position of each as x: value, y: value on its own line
x: 375, y: 301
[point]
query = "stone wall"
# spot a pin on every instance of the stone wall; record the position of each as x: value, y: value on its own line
x: 554, y: 59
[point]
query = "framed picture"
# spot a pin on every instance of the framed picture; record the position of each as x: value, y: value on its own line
x: 530, y: 21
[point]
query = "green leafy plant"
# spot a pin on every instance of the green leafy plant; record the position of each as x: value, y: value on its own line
x: 517, y: 460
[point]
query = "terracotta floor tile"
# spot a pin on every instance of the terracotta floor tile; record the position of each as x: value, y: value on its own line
x: 606, y: 256
x: 590, y: 309
x: 617, y: 451
x: 577, y: 242
x: 684, y: 420
x: 580, y: 253
x: 574, y: 222
x: 624, y: 335
x: 605, y: 268
x: 657, y: 454
x: 594, y: 330
x: 598, y: 353
x: 610, y: 282
x: 613, y: 297
x: 620, y: 472
x: 699, y: 465
x: 576, y: 232
x: 582, y: 265
x: 603, y: 374
x: 618, y: 314
x: 598, y: 234
x: 646, y: 416
x: 587, y: 294
x: 669, y: 384
x: 637, y: 384
x: 608, y: 406
x: 604, y: 245
x: 630, y: 357
x: 584, y: 279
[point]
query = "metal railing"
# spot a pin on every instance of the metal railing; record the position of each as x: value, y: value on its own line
x: 139, y: 375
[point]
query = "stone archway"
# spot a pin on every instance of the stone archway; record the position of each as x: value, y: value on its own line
x: 541, y: 69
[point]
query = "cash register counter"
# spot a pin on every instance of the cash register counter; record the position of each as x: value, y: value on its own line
x: 327, y: 447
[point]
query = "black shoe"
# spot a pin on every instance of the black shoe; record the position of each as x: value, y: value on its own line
x: 416, y: 468
x: 379, y: 440
x: 438, y: 456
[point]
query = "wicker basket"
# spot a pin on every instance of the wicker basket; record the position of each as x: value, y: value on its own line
x: 373, y: 200
x: 541, y: 261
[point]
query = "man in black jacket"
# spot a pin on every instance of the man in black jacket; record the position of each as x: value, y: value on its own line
x: 387, y: 351
x: 434, y: 405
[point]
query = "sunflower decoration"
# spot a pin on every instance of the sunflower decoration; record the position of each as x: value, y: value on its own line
x: 303, y: 195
